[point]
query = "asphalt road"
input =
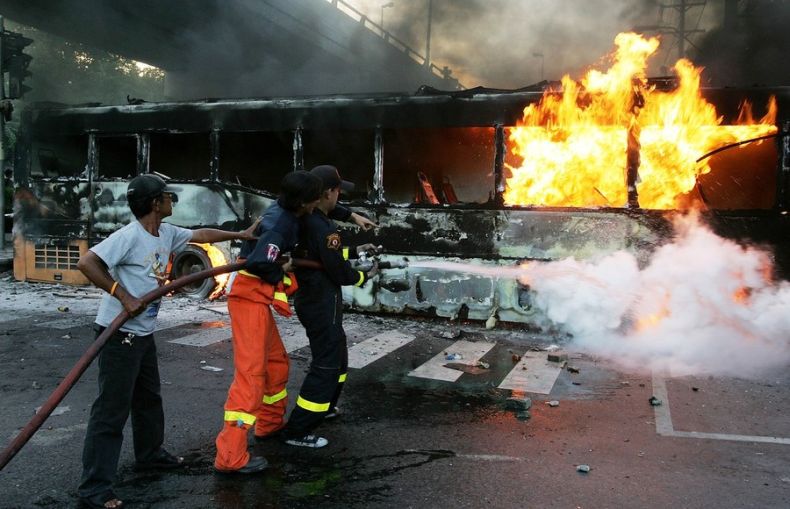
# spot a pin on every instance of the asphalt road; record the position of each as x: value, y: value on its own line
x: 402, y: 441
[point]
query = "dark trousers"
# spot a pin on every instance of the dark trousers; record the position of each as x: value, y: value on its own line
x: 128, y: 382
x: 321, y: 313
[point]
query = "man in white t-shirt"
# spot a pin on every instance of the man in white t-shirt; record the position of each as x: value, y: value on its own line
x: 128, y: 264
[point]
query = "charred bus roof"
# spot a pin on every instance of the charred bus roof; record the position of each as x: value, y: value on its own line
x: 427, y: 108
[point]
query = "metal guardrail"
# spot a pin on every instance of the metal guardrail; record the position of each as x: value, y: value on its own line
x: 442, y: 72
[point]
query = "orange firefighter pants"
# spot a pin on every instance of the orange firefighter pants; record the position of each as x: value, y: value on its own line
x: 257, y: 395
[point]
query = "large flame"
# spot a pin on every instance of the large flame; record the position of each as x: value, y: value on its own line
x: 574, y: 144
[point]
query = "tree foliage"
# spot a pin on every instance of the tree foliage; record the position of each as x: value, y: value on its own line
x: 69, y: 72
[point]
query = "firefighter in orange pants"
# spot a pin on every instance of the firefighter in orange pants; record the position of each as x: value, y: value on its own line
x: 257, y: 395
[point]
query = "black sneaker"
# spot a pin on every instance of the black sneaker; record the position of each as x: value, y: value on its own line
x: 312, y: 441
x: 333, y: 413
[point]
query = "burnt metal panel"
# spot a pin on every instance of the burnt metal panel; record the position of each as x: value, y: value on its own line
x: 491, y: 238
x: 783, y: 168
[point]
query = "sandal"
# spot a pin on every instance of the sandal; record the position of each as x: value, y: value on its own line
x: 163, y: 460
x: 105, y: 500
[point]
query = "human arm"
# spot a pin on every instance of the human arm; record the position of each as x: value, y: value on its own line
x: 96, y: 271
x: 362, y: 221
x: 345, y: 214
x: 209, y: 235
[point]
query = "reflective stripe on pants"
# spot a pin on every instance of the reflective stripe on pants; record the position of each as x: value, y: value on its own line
x: 261, y: 368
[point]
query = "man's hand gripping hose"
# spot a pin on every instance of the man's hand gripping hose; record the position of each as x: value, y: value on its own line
x: 82, y: 364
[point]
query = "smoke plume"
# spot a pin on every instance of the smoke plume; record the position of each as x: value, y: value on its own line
x: 704, y: 304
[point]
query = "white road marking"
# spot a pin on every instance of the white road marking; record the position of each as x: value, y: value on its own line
x: 533, y: 373
x: 470, y: 352
x: 205, y: 337
x: 372, y: 349
x: 665, y: 428
x: 295, y: 339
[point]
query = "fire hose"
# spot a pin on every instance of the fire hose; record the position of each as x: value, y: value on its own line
x: 82, y: 364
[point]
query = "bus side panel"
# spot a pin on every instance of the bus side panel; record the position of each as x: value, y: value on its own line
x: 489, y: 240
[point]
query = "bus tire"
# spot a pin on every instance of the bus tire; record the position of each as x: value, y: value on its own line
x: 189, y: 261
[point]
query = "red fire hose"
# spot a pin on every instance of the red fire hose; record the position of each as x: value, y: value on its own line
x: 76, y: 372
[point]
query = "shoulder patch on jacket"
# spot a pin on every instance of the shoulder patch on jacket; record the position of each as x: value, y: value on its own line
x: 272, y: 252
x: 333, y: 241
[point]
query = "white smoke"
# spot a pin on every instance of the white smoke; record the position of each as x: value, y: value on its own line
x: 704, y: 304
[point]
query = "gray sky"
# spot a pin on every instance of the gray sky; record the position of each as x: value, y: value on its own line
x: 491, y: 42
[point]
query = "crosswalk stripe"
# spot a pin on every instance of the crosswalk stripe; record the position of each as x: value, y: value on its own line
x: 371, y: 349
x: 470, y: 353
x: 295, y: 340
x: 533, y: 373
x: 205, y: 337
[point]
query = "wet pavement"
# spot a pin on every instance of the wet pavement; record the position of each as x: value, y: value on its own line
x: 402, y: 440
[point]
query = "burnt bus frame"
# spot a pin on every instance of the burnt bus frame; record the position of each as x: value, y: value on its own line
x: 420, y: 230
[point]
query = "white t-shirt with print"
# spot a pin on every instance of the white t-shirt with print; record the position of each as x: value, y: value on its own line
x: 138, y: 261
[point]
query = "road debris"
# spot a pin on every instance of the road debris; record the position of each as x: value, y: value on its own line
x: 210, y: 368
x: 63, y: 309
x: 36, y: 385
x: 515, y: 357
x: 453, y: 356
x: 518, y: 404
x: 66, y: 336
x: 553, y: 403
x: 557, y: 357
x: 583, y: 468
x: 573, y: 369
x: 655, y: 401
x: 472, y: 369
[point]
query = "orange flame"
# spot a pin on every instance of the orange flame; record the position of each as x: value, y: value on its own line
x: 573, y: 144
x: 217, y: 259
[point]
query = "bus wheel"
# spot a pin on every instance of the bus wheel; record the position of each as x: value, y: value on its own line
x: 189, y: 261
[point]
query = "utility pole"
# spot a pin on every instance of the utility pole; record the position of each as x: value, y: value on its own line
x: 428, y: 38
x: 539, y: 55
x: 14, y: 63
x: 2, y: 139
x: 682, y: 7
x: 680, y: 31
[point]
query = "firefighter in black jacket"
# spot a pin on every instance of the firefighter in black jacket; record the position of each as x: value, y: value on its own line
x: 319, y: 306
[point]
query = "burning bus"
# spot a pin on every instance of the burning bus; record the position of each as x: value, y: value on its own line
x: 494, y: 178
